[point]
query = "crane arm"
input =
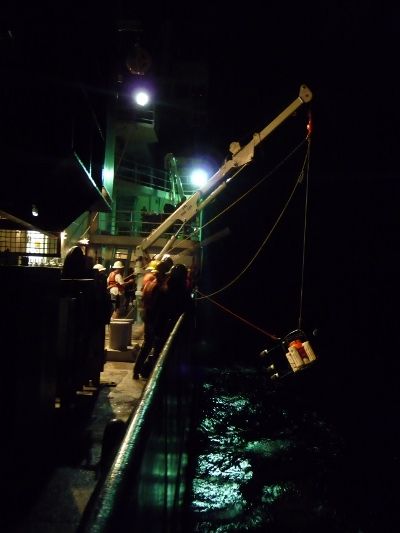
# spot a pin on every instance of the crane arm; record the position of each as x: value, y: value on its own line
x: 240, y: 157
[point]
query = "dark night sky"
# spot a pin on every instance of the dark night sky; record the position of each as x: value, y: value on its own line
x: 257, y: 58
x: 347, y: 56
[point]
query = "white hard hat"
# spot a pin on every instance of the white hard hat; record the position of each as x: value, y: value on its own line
x: 99, y: 267
x: 118, y: 264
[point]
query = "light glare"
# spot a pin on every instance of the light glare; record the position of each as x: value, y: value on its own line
x: 142, y: 98
x: 199, y: 177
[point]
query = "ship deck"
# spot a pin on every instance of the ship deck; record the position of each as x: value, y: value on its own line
x: 56, y: 498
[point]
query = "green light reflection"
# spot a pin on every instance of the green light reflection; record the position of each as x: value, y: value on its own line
x: 209, y: 495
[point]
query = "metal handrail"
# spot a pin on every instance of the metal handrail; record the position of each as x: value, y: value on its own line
x: 134, y: 172
x: 118, y: 498
x: 144, y: 226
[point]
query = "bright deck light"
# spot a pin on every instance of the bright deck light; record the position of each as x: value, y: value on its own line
x: 141, y: 98
x: 199, y: 177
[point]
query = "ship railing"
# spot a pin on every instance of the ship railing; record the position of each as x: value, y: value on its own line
x: 145, y: 175
x: 145, y: 486
x: 139, y: 224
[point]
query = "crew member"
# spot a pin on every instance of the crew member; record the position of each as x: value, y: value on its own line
x: 116, y: 285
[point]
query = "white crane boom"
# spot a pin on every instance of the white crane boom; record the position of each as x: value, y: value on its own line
x: 240, y: 157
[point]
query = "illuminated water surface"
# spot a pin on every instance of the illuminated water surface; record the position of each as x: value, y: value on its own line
x: 266, y: 460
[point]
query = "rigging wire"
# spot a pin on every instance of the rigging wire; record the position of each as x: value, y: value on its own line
x: 270, y: 335
x: 124, y: 148
x: 304, y: 228
x: 299, y: 180
x: 266, y: 239
x: 90, y: 225
x: 268, y: 175
x: 93, y: 113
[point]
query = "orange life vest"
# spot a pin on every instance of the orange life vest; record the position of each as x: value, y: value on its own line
x: 112, y: 283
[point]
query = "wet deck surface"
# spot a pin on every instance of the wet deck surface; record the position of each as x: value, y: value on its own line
x: 54, y: 499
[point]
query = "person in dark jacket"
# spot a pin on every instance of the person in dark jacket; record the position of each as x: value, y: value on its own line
x: 102, y: 310
x: 103, y: 302
x: 75, y: 264
x: 164, y: 302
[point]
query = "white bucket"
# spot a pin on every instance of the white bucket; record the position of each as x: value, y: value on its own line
x: 120, y: 334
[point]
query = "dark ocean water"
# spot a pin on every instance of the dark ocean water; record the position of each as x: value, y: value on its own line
x: 276, y: 457
x: 320, y: 452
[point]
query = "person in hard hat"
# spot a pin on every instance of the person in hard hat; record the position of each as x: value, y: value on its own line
x: 151, y: 290
x: 116, y: 286
x: 158, y: 269
x: 150, y: 272
x: 163, y: 267
x: 99, y: 267
x: 150, y: 295
x: 167, y: 263
x: 100, y: 277
x: 163, y: 300
x: 130, y: 290
x: 102, y: 310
